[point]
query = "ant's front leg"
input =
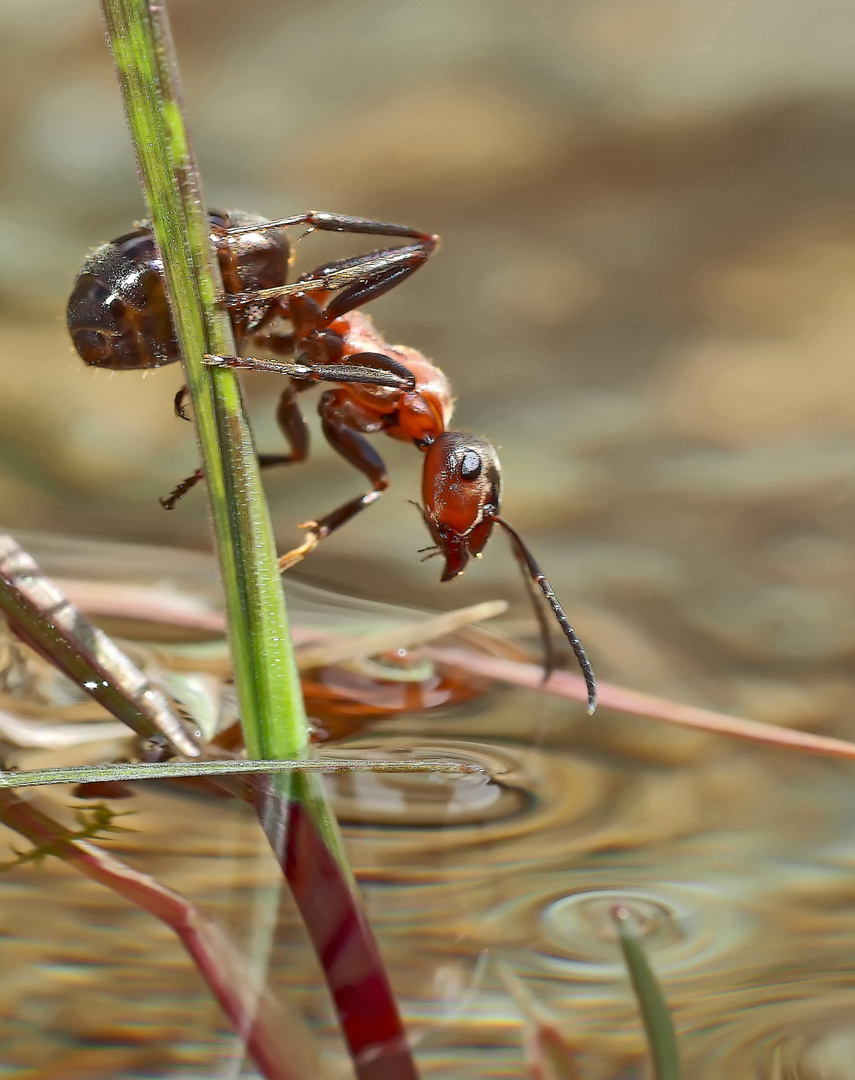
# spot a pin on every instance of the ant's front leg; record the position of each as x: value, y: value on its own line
x: 338, y: 422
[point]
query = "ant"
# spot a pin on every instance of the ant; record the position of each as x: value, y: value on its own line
x: 119, y: 318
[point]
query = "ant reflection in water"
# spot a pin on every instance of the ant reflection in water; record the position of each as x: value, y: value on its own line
x: 119, y: 318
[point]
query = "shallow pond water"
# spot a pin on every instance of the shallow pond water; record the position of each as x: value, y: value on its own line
x: 738, y: 862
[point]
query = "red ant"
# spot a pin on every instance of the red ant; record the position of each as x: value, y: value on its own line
x: 118, y: 318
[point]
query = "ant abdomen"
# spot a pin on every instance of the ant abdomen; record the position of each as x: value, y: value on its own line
x: 118, y: 315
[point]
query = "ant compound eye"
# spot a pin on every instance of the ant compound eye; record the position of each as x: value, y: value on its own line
x: 470, y: 467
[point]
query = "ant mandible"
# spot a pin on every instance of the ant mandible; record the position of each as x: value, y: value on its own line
x: 119, y: 318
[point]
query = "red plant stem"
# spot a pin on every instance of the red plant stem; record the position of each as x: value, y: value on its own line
x: 277, y: 1039
x: 342, y: 938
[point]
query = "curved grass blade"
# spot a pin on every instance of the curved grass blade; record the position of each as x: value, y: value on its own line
x: 338, y: 926
x: 634, y: 702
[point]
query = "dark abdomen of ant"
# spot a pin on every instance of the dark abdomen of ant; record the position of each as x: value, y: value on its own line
x: 118, y: 315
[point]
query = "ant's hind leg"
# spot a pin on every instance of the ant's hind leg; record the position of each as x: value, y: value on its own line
x: 355, y: 448
x: 380, y: 265
x: 293, y: 426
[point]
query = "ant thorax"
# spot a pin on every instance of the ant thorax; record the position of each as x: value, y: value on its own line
x: 432, y: 387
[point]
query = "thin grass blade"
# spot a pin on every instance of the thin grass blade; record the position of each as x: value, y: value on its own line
x: 655, y: 1015
x: 342, y: 937
x: 265, y: 674
x: 272, y: 711
x: 176, y: 770
x: 564, y: 685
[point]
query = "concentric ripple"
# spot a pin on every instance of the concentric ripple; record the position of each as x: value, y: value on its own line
x: 807, y: 1039
x: 522, y: 791
x: 683, y: 928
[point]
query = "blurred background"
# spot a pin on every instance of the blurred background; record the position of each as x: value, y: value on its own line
x: 644, y: 298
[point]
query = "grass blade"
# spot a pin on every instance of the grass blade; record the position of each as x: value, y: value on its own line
x: 272, y: 711
x: 265, y: 674
x: 633, y: 702
x: 175, y: 770
x: 658, y: 1025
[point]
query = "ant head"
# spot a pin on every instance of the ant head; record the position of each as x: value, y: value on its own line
x: 461, y: 490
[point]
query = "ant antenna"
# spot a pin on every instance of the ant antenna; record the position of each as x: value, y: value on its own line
x: 532, y: 575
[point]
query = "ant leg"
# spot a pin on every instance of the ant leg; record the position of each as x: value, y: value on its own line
x: 325, y: 222
x: 359, y: 272
x: 354, y: 448
x: 341, y: 274
x: 168, y: 503
x: 319, y: 353
x: 376, y: 369
x: 375, y: 285
x: 293, y: 426
x: 179, y: 403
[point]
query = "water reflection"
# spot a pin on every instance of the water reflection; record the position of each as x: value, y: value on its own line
x: 737, y: 862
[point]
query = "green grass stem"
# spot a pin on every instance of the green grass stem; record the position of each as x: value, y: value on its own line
x: 173, y: 770
x: 268, y: 685
x: 266, y: 677
x: 655, y: 1015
